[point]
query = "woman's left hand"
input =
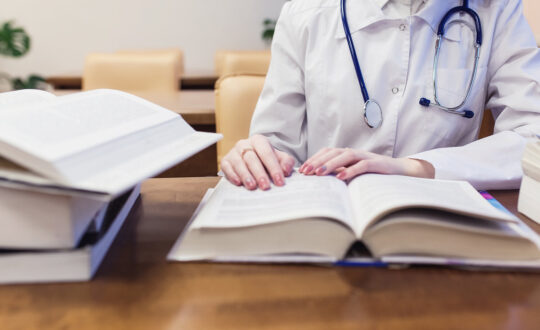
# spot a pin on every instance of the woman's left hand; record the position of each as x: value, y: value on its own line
x: 348, y: 163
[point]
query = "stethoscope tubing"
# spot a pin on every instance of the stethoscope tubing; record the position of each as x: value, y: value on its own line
x: 440, y: 33
x: 352, y: 49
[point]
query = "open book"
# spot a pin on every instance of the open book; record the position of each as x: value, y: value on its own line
x: 322, y: 219
x: 103, y: 141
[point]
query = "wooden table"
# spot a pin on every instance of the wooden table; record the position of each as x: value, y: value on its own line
x: 197, y: 107
x: 137, y: 289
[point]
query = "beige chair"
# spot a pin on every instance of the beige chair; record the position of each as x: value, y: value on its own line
x: 242, y: 62
x: 488, y: 124
x: 236, y: 98
x: 132, y: 72
x: 177, y: 53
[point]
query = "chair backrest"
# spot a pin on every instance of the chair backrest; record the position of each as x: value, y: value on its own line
x: 236, y: 98
x: 531, y: 9
x: 131, y: 72
x: 488, y: 124
x: 175, y: 52
x: 242, y: 62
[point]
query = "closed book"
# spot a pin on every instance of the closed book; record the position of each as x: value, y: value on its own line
x: 529, y: 194
x: 44, y: 219
x: 69, y: 265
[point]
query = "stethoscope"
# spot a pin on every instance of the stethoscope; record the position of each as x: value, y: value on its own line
x: 372, y: 110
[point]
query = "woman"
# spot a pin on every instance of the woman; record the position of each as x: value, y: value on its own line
x: 310, y: 112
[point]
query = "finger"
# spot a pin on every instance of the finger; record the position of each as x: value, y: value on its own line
x: 381, y: 166
x: 352, y: 171
x: 267, y: 156
x: 240, y: 168
x: 306, y: 164
x: 256, y: 168
x: 229, y: 172
x: 340, y: 169
x: 317, y: 164
x: 286, y: 161
x: 345, y: 159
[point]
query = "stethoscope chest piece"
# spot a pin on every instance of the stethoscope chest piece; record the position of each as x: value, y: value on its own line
x: 372, y: 114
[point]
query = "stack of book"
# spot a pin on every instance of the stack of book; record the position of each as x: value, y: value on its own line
x: 528, y: 203
x: 70, y: 171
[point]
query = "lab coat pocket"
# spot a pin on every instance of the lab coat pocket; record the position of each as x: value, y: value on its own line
x: 452, y: 84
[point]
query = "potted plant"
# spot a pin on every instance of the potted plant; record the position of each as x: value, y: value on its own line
x: 15, y: 42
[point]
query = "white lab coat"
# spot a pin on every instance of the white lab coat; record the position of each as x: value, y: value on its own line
x: 311, y: 98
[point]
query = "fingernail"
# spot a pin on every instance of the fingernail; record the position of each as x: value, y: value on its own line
x: 321, y: 170
x: 278, y: 180
x: 308, y: 169
x: 264, y: 184
x: 301, y: 169
x: 341, y: 176
x: 286, y: 170
x: 237, y: 181
x: 249, y: 183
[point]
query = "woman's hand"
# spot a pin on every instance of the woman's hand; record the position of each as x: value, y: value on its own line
x: 348, y: 163
x: 251, y: 161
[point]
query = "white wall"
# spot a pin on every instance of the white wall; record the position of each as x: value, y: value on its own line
x: 64, y: 31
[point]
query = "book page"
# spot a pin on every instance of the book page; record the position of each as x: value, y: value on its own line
x: 72, y: 123
x: 301, y: 197
x: 24, y: 97
x: 137, y: 161
x: 13, y: 172
x: 373, y: 196
x: 13, y: 176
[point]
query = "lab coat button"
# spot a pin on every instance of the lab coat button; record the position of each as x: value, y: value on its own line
x: 395, y: 90
x: 402, y: 27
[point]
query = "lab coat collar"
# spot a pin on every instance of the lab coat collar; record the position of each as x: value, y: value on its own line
x: 381, y: 3
x: 434, y: 11
x: 361, y: 14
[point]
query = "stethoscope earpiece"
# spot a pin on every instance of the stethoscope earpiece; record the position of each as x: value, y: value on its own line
x: 425, y: 102
x: 468, y: 114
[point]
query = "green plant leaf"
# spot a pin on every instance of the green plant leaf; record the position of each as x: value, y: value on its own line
x: 32, y: 82
x: 14, y: 41
x: 268, y: 34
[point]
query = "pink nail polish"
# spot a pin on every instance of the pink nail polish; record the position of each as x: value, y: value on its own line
x: 308, y: 169
x: 249, y: 183
x: 321, y: 170
x: 278, y: 180
x: 263, y: 184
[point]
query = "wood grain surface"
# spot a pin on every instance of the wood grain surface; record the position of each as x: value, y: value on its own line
x: 136, y: 288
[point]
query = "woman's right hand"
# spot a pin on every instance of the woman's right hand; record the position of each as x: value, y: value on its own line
x: 252, y: 160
